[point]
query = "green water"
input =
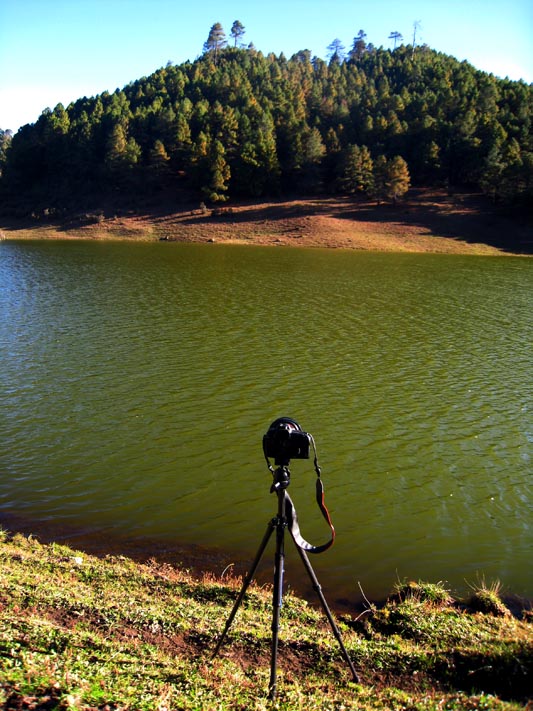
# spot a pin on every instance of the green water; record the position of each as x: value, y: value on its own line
x: 137, y: 381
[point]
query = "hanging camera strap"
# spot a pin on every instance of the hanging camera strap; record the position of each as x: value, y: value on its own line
x: 292, y: 517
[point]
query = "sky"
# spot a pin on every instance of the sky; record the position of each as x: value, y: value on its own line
x: 54, y: 51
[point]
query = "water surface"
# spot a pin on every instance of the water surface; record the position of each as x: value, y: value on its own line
x: 138, y: 380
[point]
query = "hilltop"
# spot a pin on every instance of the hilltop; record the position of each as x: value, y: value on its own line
x: 236, y: 125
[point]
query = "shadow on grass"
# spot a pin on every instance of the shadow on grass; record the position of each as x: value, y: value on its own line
x: 506, y: 673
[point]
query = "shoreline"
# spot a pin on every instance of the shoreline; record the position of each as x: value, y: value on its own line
x: 200, y: 561
x: 427, y: 222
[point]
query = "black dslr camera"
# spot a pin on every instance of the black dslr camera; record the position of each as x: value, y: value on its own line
x: 286, y: 440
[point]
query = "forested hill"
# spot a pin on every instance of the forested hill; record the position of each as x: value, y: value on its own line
x: 236, y: 123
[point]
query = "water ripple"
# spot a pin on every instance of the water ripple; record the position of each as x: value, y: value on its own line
x: 138, y: 381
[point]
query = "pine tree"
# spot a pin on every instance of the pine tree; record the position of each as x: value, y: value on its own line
x: 219, y: 174
x: 314, y: 148
x: 491, y: 175
x: 356, y: 170
x: 215, y: 41
x: 336, y: 51
x: 398, y: 178
x: 380, y: 179
x: 396, y: 36
x: 158, y: 164
x: 359, y: 46
x: 237, y: 31
x: 5, y: 142
x: 283, y: 121
x: 116, y: 148
x: 122, y: 157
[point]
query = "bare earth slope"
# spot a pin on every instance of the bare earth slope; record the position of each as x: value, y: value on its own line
x: 429, y: 221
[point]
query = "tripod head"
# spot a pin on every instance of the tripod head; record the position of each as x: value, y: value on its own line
x: 282, y: 479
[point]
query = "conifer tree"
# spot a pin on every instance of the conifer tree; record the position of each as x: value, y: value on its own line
x: 219, y: 174
x: 336, y: 51
x: 182, y: 140
x: 5, y: 141
x: 359, y: 46
x: 396, y: 36
x: 398, y: 178
x: 380, y: 179
x: 216, y: 40
x: 492, y: 172
x: 356, y: 170
x: 116, y: 147
x: 122, y: 157
x: 282, y: 122
x: 237, y: 32
x: 158, y: 164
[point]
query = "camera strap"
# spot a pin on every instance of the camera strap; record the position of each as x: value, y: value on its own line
x: 294, y: 527
x: 292, y: 517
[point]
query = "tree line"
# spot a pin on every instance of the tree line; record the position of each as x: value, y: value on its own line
x: 238, y: 123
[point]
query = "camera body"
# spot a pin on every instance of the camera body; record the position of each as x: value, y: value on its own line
x: 285, y: 440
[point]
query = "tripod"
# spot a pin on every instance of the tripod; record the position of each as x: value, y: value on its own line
x: 279, y: 523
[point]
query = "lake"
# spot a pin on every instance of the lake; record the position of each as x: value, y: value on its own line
x: 137, y: 381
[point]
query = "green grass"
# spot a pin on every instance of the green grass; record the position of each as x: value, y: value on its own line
x: 81, y: 632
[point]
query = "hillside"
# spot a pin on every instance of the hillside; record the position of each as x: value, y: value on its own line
x: 238, y: 125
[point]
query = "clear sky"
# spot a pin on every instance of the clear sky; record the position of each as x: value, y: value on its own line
x: 55, y: 51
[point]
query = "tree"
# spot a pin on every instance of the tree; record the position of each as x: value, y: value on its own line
x: 397, y: 37
x: 122, y: 157
x: 359, y: 46
x: 158, y: 164
x: 398, y: 178
x: 237, y: 31
x: 216, y: 40
x: 5, y: 141
x: 219, y: 173
x: 314, y: 148
x: 380, y: 178
x: 283, y: 124
x: 182, y: 140
x: 416, y: 27
x: 336, y: 51
x: 356, y: 170
x: 507, y: 174
x: 116, y: 147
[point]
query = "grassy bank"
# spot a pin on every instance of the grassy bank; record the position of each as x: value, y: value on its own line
x: 81, y: 632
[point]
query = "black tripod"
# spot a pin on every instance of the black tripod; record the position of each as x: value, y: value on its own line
x: 283, y: 520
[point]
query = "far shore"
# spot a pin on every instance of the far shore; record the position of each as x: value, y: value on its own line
x: 425, y: 222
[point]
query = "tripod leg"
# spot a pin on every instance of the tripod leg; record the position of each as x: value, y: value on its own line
x: 277, y: 597
x: 327, y: 611
x: 247, y: 581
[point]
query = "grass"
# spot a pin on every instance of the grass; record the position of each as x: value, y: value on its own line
x: 82, y: 632
x: 486, y: 598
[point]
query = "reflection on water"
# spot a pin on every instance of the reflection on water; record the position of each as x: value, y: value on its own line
x: 138, y: 380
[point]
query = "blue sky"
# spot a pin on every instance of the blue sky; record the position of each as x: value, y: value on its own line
x: 55, y: 51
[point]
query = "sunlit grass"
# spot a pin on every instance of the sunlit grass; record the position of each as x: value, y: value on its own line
x: 80, y: 632
x: 487, y: 598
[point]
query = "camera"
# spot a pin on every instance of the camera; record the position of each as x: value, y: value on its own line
x: 286, y: 440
